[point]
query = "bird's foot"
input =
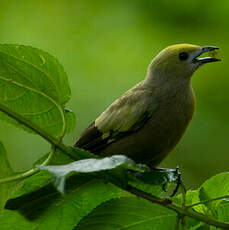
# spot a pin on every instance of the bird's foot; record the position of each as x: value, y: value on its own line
x: 177, y: 178
x: 162, y: 177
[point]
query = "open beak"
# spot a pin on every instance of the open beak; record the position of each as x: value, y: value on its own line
x: 204, y: 60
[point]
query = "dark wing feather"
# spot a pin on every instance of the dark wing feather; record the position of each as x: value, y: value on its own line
x: 123, y: 117
x: 92, y: 139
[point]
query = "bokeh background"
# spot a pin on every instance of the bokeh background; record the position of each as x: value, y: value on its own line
x: 105, y: 48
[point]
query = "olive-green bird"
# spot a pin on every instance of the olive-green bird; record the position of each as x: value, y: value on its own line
x: 148, y: 121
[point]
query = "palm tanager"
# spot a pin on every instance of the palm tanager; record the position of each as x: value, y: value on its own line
x: 148, y: 120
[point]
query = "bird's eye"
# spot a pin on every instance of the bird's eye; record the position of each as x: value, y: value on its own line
x: 183, y: 56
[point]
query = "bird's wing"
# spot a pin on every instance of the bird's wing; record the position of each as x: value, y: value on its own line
x: 126, y: 115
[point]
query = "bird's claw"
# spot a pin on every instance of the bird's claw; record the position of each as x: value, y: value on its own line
x: 179, y: 183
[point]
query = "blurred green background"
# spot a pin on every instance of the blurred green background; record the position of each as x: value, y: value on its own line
x: 105, y: 48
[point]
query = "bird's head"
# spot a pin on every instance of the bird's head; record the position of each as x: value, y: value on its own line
x: 180, y: 61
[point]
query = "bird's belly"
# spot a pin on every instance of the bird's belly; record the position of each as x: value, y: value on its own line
x: 166, y: 131
x: 157, y: 138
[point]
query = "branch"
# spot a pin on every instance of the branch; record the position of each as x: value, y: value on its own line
x: 181, y: 211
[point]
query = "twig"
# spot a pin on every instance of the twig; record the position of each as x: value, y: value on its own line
x: 207, y: 201
x: 179, y: 210
x: 29, y: 172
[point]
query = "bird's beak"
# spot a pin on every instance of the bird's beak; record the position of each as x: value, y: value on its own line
x: 204, y: 60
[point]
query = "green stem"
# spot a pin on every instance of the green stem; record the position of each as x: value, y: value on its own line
x: 208, y: 201
x: 28, y: 123
x: 29, y: 172
x: 179, y: 210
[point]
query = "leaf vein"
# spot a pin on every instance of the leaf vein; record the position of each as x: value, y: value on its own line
x: 42, y: 94
x: 35, y: 67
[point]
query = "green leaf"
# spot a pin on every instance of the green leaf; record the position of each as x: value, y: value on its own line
x: 39, y: 180
x: 5, y: 171
x: 88, y: 166
x: 29, y: 184
x: 214, y: 187
x: 47, y: 209
x: 129, y: 213
x: 43, y: 178
x: 198, y: 226
x: 14, y: 220
x: 5, y: 168
x: 70, y: 120
x: 34, y: 85
x: 20, y: 187
x: 41, y: 205
x: 222, y: 213
x: 190, y: 198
